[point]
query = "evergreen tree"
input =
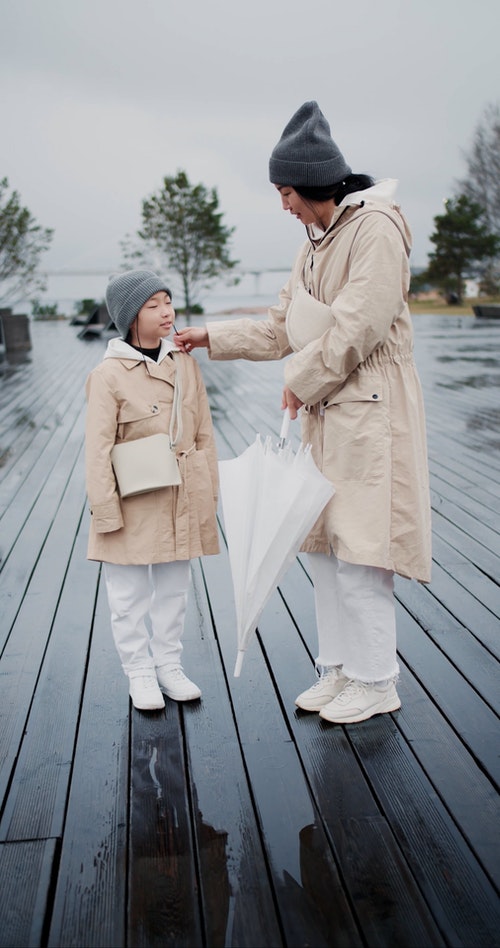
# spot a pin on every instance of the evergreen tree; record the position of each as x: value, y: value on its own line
x: 182, y: 226
x: 22, y: 242
x: 462, y: 244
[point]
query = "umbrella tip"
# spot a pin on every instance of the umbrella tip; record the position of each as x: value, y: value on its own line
x: 239, y: 663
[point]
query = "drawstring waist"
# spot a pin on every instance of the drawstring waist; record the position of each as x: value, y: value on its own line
x: 374, y: 364
x: 186, y: 453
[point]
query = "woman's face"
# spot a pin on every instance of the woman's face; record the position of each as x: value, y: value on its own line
x: 154, y: 321
x: 308, y: 212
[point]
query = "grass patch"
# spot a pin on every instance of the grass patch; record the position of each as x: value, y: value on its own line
x: 440, y: 307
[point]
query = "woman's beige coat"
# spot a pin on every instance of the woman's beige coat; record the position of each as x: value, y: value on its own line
x: 126, y: 401
x: 364, y: 413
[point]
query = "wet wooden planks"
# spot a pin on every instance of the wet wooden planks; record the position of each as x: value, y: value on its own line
x: 240, y: 820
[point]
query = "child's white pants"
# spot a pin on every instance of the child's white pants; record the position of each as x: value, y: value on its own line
x: 355, y: 615
x: 158, y: 593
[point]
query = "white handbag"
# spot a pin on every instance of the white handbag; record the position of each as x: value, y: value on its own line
x: 150, y: 463
x: 306, y: 319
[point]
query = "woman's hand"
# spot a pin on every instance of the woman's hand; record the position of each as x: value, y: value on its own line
x: 290, y: 401
x: 191, y: 338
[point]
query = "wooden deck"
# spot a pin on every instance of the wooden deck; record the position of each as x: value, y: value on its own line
x: 238, y: 820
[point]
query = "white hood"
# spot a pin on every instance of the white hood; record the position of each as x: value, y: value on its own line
x: 119, y: 349
x: 381, y: 195
x: 382, y: 192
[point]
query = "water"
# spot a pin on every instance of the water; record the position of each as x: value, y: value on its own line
x: 255, y: 290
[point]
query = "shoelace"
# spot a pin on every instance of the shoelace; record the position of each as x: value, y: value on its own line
x: 319, y: 682
x: 352, y: 689
x: 177, y: 673
x: 147, y: 681
x: 331, y: 675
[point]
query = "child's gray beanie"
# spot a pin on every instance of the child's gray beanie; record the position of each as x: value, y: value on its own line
x: 306, y: 153
x: 126, y: 294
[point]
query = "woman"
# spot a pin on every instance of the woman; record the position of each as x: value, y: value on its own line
x: 146, y: 540
x: 344, y: 316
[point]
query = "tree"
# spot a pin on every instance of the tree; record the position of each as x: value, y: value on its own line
x: 43, y: 310
x: 462, y: 244
x: 22, y: 242
x: 419, y: 281
x: 482, y: 185
x: 85, y: 306
x: 183, y: 225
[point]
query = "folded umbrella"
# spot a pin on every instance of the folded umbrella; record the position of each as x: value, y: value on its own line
x: 270, y: 501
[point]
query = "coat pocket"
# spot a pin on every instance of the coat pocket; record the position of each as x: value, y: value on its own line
x: 140, y: 421
x: 357, y: 438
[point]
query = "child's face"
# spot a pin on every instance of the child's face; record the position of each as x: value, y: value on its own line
x: 155, y: 319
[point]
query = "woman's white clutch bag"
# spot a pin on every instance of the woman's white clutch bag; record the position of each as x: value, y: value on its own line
x: 307, y: 318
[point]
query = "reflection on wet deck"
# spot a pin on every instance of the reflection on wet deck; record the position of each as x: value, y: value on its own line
x: 239, y: 820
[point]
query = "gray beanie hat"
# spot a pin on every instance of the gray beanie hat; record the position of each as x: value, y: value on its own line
x: 306, y: 153
x: 126, y: 294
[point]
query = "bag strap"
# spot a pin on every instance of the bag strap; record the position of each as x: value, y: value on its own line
x: 176, y: 416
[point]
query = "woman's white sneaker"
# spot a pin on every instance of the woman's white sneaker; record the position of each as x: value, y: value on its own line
x: 145, y: 693
x: 359, y: 701
x: 176, y: 684
x: 330, y: 684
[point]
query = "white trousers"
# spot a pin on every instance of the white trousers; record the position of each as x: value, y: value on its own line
x: 355, y: 615
x: 148, y: 609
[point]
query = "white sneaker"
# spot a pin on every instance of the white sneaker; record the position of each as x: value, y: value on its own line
x: 359, y: 701
x: 327, y: 687
x: 176, y: 684
x: 145, y: 694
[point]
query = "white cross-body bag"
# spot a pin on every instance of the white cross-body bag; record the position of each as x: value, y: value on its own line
x: 151, y: 463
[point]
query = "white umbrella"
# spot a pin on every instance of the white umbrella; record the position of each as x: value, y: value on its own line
x: 270, y: 501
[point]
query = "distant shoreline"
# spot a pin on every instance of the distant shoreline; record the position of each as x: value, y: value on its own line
x: 428, y: 307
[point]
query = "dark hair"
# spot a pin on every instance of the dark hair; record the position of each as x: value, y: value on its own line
x: 351, y: 183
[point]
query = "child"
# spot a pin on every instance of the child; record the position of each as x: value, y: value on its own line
x: 146, y: 541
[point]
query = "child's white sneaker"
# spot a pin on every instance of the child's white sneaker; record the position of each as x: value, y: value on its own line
x: 176, y: 684
x: 145, y: 694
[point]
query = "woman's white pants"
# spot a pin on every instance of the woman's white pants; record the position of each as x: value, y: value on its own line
x: 355, y: 615
x: 148, y: 609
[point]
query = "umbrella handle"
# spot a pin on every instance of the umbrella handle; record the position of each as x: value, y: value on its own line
x: 239, y: 662
x: 284, y: 428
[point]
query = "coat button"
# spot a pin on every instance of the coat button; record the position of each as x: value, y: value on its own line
x: 154, y: 409
x: 374, y: 396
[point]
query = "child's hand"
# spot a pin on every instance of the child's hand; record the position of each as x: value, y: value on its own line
x: 190, y: 338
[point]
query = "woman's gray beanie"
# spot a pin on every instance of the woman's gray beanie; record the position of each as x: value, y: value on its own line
x: 306, y: 153
x: 127, y: 292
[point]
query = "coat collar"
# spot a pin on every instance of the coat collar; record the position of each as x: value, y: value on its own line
x: 119, y: 349
x: 382, y: 192
x: 380, y: 197
x: 130, y: 358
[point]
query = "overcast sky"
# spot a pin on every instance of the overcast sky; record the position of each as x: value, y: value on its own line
x: 100, y: 99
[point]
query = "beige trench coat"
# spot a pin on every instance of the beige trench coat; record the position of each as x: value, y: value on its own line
x: 363, y: 414
x: 125, y: 402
